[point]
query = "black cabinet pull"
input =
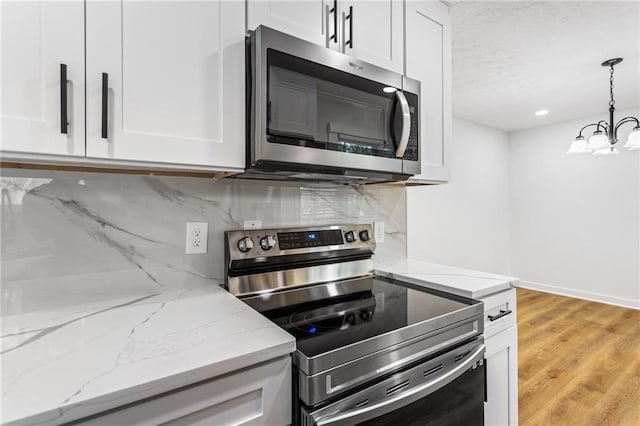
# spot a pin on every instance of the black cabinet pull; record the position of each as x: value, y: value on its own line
x: 486, y: 390
x: 105, y: 103
x: 64, y: 122
x: 500, y: 315
x: 350, y: 18
x: 334, y: 37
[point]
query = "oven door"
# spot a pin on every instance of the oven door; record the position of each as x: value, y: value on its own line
x: 446, y: 390
x: 318, y: 107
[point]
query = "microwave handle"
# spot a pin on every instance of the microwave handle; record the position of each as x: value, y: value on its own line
x: 406, y: 124
x: 405, y: 398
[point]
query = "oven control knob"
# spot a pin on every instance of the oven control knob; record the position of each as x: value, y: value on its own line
x: 350, y: 319
x: 365, y: 315
x: 245, y: 244
x: 364, y: 235
x: 350, y: 236
x: 266, y: 243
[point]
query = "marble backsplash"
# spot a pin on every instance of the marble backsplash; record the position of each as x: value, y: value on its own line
x: 71, y: 238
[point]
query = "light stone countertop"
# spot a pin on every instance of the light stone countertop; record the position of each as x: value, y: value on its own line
x: 63, y: 365
x: 450, y: 279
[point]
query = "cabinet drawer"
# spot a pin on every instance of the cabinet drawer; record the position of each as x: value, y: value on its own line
x: 253, y: 396
x: 499, y: 312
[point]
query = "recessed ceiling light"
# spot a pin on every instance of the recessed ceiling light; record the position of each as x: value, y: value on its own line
x: 541, y: 112
x: 389, y: 89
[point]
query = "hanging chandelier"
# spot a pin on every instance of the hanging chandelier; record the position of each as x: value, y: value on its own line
x: 605, y: 135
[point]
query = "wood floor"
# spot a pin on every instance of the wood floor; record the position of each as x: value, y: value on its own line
x: 579, y: 362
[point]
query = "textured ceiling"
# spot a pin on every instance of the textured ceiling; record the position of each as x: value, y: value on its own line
x: 512, y: 58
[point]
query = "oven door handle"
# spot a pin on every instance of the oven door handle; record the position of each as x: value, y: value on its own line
x: 406, y: 124
x: 398, y: 400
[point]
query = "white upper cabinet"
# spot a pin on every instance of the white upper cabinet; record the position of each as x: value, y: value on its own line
x: 305, y: 19
x: 165, y: 82
x: 428, y: 59
x: 40, y: 40
x: 372, y: 30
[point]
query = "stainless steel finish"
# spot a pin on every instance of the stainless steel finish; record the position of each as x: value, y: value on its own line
x: 258, y: 253
x: 268, y: 282
x: 319, y: 387
x: 381, y: 399
x: 328, y: 360
x: 268, y: 242
x: 245, y: 244
x: 269, y: 277
x: 410, y: 167
x: 337, y: 164
x: 294, y: 296
x: 406, y: 124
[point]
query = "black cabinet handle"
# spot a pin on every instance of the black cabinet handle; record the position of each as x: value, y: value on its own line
x: 105, y: 103
x: 500, y: 315
x: 334, y: 37
x: 486, y: 390
x: 350, y: 18
x: 64, y: 122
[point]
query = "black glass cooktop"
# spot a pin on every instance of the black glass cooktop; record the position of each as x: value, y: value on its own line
x: 330, y: 324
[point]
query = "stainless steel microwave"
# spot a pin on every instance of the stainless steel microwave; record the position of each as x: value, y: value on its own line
x: 317, y: 114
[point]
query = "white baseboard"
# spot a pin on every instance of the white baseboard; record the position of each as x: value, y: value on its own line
x: 594, y: 297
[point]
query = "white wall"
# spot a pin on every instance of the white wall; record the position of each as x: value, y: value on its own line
x: 575, y: 218
x: 465, y: 223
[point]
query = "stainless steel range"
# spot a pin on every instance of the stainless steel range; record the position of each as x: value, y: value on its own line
x: 369, y: 349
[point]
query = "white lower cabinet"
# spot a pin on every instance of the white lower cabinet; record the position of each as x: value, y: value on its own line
x: 501, y: 408
x: 501, y: 340
x: 259, y: 395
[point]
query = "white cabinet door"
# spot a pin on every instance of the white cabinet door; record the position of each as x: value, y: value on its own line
x: 37, y: 37
x: 174, y: 74
x: 501, y: 408
x: 310, y: 20
x: 428, y: 59
x: 373, y: 30
x: 255, y: 396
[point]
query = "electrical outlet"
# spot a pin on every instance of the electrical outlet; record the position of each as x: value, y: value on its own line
x: 378, y: 230
x: 196, y: 237
x: 253, y: 224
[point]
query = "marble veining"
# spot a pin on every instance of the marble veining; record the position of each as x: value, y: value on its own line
x: 83, y: 360
x: 463, y: 282
x: 101, y: 306
x: 74, y: 238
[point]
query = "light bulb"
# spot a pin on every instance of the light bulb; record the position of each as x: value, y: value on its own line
x: 598, y: 141
x: 634, y: 139
x: 606, y: 151
x: 579, y: 146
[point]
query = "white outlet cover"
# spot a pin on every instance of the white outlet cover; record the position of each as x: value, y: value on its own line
x: 196, y: 237
x: 378, y: 230
x: 253, y: 224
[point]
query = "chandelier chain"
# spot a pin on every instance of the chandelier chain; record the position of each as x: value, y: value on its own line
x: 612, y: 102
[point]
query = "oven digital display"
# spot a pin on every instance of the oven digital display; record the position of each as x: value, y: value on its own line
x: 294, y: 240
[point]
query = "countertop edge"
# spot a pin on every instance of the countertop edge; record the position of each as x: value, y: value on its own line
x: 475, y: 294
x: 120, y: 398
